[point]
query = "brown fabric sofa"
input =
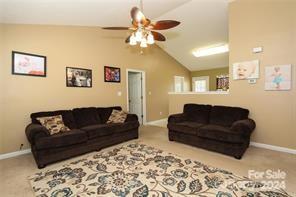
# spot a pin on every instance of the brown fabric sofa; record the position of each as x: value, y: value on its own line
x: 222, y: 129
x: 89, y: 132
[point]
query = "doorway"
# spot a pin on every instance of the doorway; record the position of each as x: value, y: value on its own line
x: 136, y: 98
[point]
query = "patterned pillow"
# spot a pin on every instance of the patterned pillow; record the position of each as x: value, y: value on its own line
x: 54, y: 124
x: 117, y: 116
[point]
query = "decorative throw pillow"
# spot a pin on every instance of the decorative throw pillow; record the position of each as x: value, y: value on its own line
x: 117, y: 116
x: 54, y: 124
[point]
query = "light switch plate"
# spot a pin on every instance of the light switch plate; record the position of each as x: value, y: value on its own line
x: 258, y: 50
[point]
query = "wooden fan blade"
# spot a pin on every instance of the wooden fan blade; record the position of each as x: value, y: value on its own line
x: 165, y: 24
x: 127, y: 40
x: 158, y: 36
x: 116, y: 28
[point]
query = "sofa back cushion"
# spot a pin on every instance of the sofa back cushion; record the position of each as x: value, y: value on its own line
x: 105, y: 112
x: 197, y: 113
x: 225, y: 116
x: 86, y: 116
x: 67, y: 116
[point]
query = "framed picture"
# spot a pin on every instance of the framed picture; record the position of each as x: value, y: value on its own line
x: 112, y: 74
x: 78, y: 77
x: 278, y: 77
x: 222, y: 82
x: 246, y: 70
x: 28, y: 64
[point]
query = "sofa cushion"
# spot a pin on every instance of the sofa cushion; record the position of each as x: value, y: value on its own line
x: 54, y: 124
x: 86, y: 116
x: 105, y: 112
x: 67, y: 115
x: 225, y: 116
x: 72, y: 137
x: 197, y: 113
x: 220, y: 133
x: 117, y: 116
x: 185, y: 127
x: 100, y: 130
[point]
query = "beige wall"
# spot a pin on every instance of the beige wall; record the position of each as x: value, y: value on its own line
x: 86, y: 47
x: 1, y: 84
x: 271, y: 24
x: 212, y: 73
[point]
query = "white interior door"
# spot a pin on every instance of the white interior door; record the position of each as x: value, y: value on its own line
x: 135, y: 94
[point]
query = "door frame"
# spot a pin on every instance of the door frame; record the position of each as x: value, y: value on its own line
x: 143, y: 91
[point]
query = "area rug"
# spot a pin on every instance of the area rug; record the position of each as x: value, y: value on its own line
x: 139, y: 170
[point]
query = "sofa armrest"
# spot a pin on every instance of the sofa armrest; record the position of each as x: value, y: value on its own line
x: 131, y: 118
x: 245, y: 126
x: 35, y: 132
x: 175, y: 118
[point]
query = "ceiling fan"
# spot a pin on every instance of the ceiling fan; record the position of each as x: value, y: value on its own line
x: 143, y: 29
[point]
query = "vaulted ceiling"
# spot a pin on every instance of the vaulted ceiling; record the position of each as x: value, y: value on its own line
x: 203, y: 22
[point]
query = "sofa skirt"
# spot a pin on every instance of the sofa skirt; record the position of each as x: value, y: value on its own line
x: 232, y: 149
x: 48, y: 156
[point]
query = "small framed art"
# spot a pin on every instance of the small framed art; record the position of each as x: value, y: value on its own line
x: 78, y: 77
x: 28, y: 64
x: 278, y: 77
x: 246, y: 70
x: 112, y: 74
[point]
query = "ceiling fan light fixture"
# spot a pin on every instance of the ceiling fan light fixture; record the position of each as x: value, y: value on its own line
x: 143, y: 43
x: 133, y: 41
x: 211, y: 50
x: 139, y: 35
x: 143, y: 29
x: 150, y: 38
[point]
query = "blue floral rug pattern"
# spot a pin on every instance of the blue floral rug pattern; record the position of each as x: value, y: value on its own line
x: 139, y: 170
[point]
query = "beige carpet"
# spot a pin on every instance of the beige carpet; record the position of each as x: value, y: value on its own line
x: 14, y: 171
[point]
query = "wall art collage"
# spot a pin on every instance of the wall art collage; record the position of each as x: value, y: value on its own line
x: 277, y: 77
x: 35, y: 65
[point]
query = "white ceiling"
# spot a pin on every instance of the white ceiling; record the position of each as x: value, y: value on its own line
x: 203, y: 22
x: 81, y: 12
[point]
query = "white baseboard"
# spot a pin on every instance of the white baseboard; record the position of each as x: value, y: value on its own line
x: 156, y: 121
x: 14, y: 154
x: 275, y: 148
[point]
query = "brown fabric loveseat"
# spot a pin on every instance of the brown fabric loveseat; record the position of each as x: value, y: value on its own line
x: 222, y: 129
x: 89, y: 132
